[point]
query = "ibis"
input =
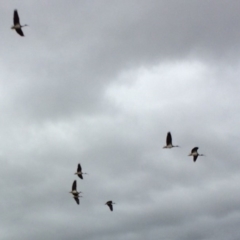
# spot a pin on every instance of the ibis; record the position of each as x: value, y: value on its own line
x: 79, y: 171
x: 169, y: 141
x: 74, y: 191
x: 17, y: 26
x: 110, y: 204
x: 195, y: 154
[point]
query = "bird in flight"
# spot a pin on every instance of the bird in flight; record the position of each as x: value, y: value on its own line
x: 74, y: 192
x: 79, y: 171
x: 16, y: 24
x: 195, y: 154
x: 110, y: 204
x: 169, y: 141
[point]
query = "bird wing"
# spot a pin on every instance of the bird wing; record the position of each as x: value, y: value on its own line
x: 194, y: 149
x: 16, y: 19
x: 74, y: 185
x: 79, y: 168
x: 80, y: 175
x: 110, y: 206
x: 195, y: 158
x: 169, y: 138
x: 20, y: 32
x: 77, y: 200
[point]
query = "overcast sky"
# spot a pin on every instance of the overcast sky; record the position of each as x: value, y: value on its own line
x: 101, y: 83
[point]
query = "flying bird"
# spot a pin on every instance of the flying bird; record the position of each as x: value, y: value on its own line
x: 169, y: 141
x: 79, y: 171
x: 16, y: 24
x: 110, y: 204
x: 74, y: 191
x: 195, y: 154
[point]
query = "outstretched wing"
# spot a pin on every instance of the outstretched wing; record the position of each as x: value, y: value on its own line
x: 169, y: 139
x: 194, y: 149
x: 195, y: 158
x: 74, y: 185
x: 80, y: 175
x: 77, y: 200
x: 109, y: 203
x: 20, y: 32
x: 79, y: 168
x: 110, y: 206
x: 16, y: 19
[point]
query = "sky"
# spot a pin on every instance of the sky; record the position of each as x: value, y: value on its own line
x: 101, y: 83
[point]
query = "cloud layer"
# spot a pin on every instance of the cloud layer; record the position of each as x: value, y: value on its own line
x: 101, y: 83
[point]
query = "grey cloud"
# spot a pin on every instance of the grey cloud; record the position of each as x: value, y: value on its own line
x: 101, y: 83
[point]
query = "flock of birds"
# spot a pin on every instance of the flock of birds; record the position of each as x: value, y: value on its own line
x: 193, y: 153
x: 76, y: 195
x: 79, y: 173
